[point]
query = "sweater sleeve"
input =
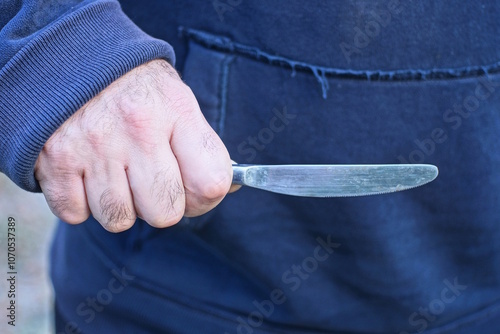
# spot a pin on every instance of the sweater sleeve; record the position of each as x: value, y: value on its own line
x: 56, y: 55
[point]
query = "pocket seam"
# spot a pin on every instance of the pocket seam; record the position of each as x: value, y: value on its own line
x: 224, y: 83
x: 322, y: 73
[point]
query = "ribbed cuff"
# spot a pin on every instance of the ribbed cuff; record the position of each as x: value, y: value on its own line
x: 58, y: 72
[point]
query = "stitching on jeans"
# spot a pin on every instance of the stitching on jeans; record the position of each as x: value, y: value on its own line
x: 226, y: 63
x: 321, y: 73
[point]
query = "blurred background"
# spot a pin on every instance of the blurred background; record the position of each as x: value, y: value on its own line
x: 34, y: 227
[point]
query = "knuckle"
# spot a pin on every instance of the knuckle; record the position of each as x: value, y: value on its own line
x: 163, y: 205
x: 65, y: 206
x: 170, y: 213
x: 73, y: 217
x: 215, y: 189
x: 168, y: 192
x: 118, y: 225
x: 116, y: 214
x: 58, y: 157
x: 168, y: 221
x: 183, y: 101
x: 95, y: 139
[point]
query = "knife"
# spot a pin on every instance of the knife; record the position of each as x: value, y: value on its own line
x: 333, y: 180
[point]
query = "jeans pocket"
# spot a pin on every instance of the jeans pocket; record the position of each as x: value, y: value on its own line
x: 206, y: 72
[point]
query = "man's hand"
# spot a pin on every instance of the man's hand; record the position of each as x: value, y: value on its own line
x: 141, y: 148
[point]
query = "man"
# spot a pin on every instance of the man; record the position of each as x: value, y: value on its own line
x: 96, y: 118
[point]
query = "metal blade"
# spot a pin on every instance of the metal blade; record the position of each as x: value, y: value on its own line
x: 333, y: 180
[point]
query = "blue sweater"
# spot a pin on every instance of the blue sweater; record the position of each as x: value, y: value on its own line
x: 51, y: 65
x: 281, y: 82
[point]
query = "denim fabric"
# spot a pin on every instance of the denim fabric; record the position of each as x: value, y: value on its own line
x: 273, y: 81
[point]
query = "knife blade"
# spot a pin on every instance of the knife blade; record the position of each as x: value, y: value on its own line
x: 334, y: 180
